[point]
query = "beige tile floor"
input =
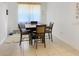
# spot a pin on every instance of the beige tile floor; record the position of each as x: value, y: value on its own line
x: 57, y: 48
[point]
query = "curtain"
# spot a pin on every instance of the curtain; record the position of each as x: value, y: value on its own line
x: 29, y: 12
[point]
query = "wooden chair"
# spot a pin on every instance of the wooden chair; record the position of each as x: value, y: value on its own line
x: 23, y: 31
x: 49, y: 30
x: 39, y: 35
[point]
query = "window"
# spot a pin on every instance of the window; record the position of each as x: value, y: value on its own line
x: 29, y: 12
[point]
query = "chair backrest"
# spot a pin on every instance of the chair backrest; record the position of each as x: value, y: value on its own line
x: 51, y: 25
x: 40, y: 30
x: 22, y: 25
x: 34, y: 22
x: 20, y: 28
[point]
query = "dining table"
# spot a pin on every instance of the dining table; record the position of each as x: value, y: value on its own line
x: 32, y: 28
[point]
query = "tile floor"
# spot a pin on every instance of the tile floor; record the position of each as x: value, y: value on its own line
x: 56, y: 48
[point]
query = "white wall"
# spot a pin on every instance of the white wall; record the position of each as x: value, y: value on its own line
x: 66, y: 26
x: 12, y: 16
x: 43, y: 12
x: 3, y: 22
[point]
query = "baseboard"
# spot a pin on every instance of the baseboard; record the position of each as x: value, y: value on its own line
x: 66, y: 42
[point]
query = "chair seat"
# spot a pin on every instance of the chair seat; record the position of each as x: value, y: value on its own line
x: 35, y: 36
x: 34, y: 31
x: 24, y: 31
x: 48, y: 30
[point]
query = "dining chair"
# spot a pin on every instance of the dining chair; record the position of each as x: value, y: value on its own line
x: 23, y: 31
x: 34, y: 22
x: 39, y: 35
x: 49, y: 30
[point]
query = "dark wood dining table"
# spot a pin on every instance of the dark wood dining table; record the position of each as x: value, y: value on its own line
x: 32, y: 28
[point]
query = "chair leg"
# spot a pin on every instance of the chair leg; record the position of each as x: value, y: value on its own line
x: 35, y: 42
x: 20, y: 39
x: 30, y: 39
x: 44, y: 43
x: 49, y: 35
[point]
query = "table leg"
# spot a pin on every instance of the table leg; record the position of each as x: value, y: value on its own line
x: 30, y: 39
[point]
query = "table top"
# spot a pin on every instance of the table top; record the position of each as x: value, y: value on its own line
x: 30, y: 25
